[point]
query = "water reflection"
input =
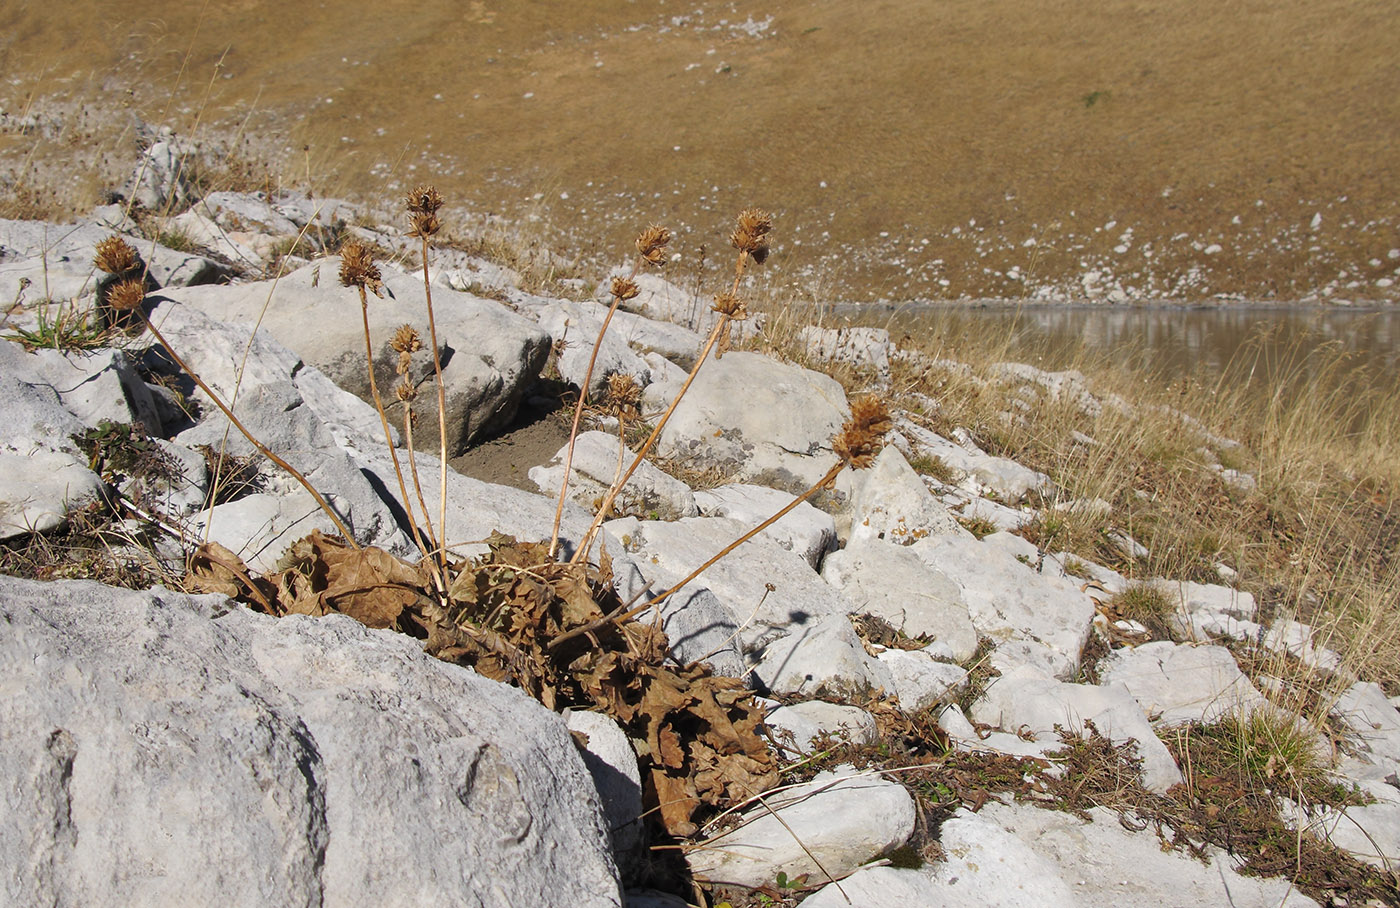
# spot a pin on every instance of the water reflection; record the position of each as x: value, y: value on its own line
x: 1200, y: 343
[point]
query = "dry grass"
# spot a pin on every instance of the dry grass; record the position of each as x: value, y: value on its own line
x: 1038, y: 121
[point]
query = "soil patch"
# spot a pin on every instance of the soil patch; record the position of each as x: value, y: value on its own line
x: 539, y: 430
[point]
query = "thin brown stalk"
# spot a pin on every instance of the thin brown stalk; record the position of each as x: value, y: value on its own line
x: 384, y: 422
x: 262, y: 448
x: 442, y: 411
x: 587, y: 541
x: 573, y: 431
x: 413, y: 470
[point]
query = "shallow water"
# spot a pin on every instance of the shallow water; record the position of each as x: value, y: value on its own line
x: 1197, y: 343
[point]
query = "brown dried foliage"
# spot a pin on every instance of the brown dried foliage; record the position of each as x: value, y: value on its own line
x: 751, y: 233
x: 423, y: 204
x: 696, y: 733
x: 624, y: 288
x: 624, y: 399
x: 862, y: 436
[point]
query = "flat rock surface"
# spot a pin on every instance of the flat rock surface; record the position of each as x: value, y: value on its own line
x: 162, y: 749
x: 1175, y: 683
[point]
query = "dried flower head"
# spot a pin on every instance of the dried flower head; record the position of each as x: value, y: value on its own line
x: 115, y: 256
x: 651, y: 245
x: 127, y: 295
x: 406, y: 340
x: 751, y: 234
x: 406, y: 391
x: 860, y: 439
x: 357, y: 268
x: 731, y: 305
x: 423, y: 204
x: 624, y: 399
x: 624, y: 288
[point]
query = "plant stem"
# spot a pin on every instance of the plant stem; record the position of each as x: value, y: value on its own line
x: 384, y: 421
x: 262, y: 448
x: 413, y: 470
x: 573, y: 431
x: 442, y: 413
x: 587, y: 541
x: 656, y: 600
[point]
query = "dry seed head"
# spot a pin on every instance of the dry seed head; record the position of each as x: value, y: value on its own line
x: 406, y: 340
x: 860, y: 439
x: 751, y: 234
x: 115, y: 256
x: 357, y: 268
x: 624, y: 288
x: 731, y: 305
x: 651, y: 245
x: 624, y: 398
x: 423, y: 204
x: 406, y: 391
x: 127, y: 295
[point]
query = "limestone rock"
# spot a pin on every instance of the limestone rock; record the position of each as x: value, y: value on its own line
x: 612, y: 763
x: 649, y: 493
x: 1024, y: 699
x: 804, y: 530
x: 890, y: 502
x: 920, y: 681
x: 1373, y: 721
x: 758, y: 420
x: 667, y: 552
x: 1175, y: 684
x: 807, y: 722
x: 301, y: 760
x: 1035, y: 619
x: 824, y: 656
x: 868, y: 348
x: 895, y: 584
x: 491, y: 353
x: 842, y: 822
x: 979, y: 470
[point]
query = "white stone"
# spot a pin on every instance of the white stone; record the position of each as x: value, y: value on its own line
x: 840, y: 819
x: 667, y: 552
x: 1035, y: 619
x: 649, y: 493
x: 1024, y: 699
x: 1370, y: 832
x: 301, y: 760
x: 1175, y: 683
x: 868, y: 348
x: 890, y: 502
x: 577, y: 326
x: 491, y: 353
x: 895, y: 584
x: 980, y: 471
x: 612, y: 763
x: 1374, y: 723
x: 758, y: 420
x: 998, y: 515
x: 806, y: 722
x: 1304, y: 643
x: 881, y: 887
x: 804, y: 530
x: 98, y: 385
x: 822, y: 657
x: 38, y: 489
x: 920, y: 681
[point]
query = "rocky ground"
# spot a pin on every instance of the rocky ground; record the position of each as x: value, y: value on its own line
x: 934, y: 694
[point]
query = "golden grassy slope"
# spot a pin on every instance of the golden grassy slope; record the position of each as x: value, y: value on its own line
x: 1038, y: 120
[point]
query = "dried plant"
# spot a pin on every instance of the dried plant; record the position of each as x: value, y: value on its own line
x: 423, y: 204
x: 357, y: 269
x: 651, y: 248
x: 750, y: 238
x: 116, y: 256
x: 140, y: 310
x: 127, y: 295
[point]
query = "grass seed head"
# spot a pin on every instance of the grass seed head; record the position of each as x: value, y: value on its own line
x: 127, y: 295
x: 751, y: 233
x: 423, y: 204
x: 861, y: 438
x: 651, y: 245
x: 624, y: 288
x: 357, y: 268
x: 115, y: 256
